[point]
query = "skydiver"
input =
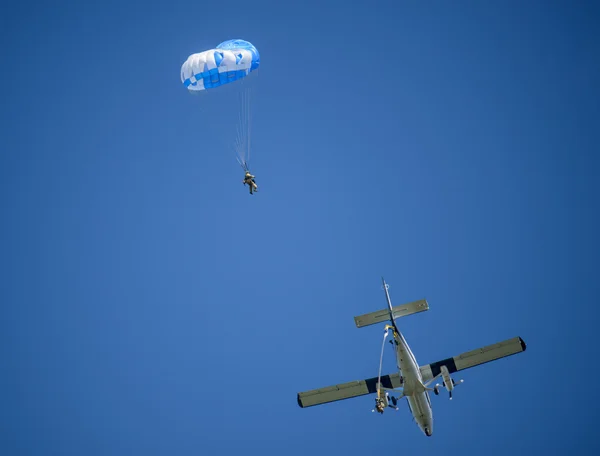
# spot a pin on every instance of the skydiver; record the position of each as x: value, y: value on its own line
x: 249, y: 179
x: 379, y: 406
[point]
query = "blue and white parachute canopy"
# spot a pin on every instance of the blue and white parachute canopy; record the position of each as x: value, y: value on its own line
x: 228, y: 62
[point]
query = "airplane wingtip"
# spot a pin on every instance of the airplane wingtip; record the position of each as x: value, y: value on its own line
x: 523, y: 344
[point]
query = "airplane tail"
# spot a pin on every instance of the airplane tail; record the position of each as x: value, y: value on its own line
x: 391, y: 313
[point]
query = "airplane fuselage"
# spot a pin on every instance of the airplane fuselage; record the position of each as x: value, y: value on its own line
x: 417, y: 396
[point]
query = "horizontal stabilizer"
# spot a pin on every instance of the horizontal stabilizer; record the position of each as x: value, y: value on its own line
x: 474, y: 357
x: 347, y: 390
x: 384, y: 315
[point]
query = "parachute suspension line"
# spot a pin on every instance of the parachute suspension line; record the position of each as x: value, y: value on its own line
x: 247, y: 97
x: 242, y: 142
x: 385, y: 334
x: 249, y: 120
x: 240, y: 139
x: 243, y: 165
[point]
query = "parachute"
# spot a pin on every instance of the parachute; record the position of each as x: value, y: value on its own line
x: 231, y: 61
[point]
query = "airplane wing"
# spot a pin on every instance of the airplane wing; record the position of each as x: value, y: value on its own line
x: 474, y: 357
x: 347, y: 390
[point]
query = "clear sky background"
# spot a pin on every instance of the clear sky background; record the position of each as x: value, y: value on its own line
x: 150, y: 305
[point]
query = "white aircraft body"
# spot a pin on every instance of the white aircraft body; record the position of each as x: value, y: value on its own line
x: 412, y: 380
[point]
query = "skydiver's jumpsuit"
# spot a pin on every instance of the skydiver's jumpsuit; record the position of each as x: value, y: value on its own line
x: 249, y: 179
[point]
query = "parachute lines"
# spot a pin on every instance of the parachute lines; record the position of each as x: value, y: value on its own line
x: 243, y: 138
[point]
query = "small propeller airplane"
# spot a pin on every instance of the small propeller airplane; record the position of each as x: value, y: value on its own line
x: 411, y: 381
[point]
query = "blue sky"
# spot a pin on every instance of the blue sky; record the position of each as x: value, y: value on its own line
x: 151, y: 306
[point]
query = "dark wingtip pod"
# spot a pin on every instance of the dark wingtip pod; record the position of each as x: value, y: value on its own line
x: 523, y: 344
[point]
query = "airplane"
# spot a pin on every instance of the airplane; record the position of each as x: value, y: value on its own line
x: 411, y: 380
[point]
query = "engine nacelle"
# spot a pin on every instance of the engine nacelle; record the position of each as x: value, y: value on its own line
x: 448, y: 382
